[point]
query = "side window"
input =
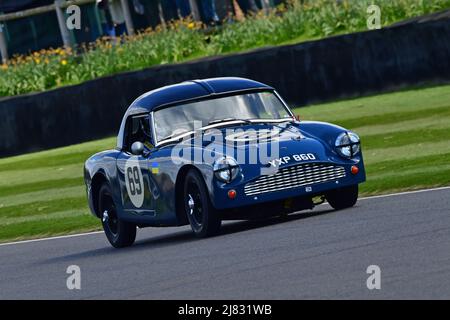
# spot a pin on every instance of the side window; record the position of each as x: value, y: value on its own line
x: 137, y: 129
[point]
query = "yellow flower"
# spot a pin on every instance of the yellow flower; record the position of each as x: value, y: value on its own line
x: 64, y: 62
x: 4, y: 66
x: 37, y: 60
x: 191, y: 25
x: 46, y: 61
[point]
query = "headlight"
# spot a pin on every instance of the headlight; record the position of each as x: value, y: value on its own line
x: 226, y: 169
x: 347, y: 144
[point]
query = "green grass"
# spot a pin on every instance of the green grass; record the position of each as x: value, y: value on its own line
x: 405, y: 138
x: 43, y: 194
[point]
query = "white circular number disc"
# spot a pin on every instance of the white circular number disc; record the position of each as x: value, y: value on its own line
x: 134, y: 182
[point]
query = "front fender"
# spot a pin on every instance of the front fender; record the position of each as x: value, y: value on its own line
x: 98, y: 169
x: 326, y: 132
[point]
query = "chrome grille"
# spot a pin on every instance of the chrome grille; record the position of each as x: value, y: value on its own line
x: 295, y: 176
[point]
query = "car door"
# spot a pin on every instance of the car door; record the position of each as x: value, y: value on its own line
x: 134, y: 171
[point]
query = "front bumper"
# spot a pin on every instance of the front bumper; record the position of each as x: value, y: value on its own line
x: 244, y: 198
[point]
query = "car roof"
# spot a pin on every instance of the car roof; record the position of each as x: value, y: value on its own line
x: 194, y: 89
x: 185, y: 91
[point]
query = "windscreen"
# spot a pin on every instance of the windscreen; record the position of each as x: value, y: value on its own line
x: 179, y: 119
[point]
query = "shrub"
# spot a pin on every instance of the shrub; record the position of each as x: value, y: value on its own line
x: 182, y: 40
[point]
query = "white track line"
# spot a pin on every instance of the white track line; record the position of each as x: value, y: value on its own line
x: 98, y: 232
x: 51, y: 238
x: 403, y: 193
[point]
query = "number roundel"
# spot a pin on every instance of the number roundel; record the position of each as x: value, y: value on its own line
x: 134, y: 182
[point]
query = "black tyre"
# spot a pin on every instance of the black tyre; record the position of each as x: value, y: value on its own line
x: 343, y: 198
x: 202, y: 216
x: 119, y: 233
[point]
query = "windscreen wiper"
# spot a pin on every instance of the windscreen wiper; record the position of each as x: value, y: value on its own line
x: 172, y: 136
x: 273, y: 121
x: 228, y: 120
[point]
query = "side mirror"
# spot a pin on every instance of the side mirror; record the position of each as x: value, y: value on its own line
x: 137, y: 148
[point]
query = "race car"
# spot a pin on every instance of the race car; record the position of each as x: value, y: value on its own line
x: 204, y: 151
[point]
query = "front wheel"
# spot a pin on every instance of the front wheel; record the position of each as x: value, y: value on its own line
x: 342, y: 198
x: 119, y: 233
x: 202, y: 216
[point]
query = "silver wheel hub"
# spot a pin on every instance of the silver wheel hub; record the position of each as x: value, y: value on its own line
x: 191, y: 204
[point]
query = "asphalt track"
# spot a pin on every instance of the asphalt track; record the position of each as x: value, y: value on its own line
x: 314, y: 254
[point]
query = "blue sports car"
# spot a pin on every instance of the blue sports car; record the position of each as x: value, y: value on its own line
x: 204, y: 151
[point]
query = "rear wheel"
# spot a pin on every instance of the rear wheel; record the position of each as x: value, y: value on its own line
x: 119, y: 233
x: 342, y: 198
x: 202, y: 216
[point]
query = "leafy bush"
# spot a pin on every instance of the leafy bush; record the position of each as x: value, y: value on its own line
x: 182, y: 40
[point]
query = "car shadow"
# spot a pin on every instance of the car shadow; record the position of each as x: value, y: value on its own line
x: 246, y: 225
x: 187, y: 236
